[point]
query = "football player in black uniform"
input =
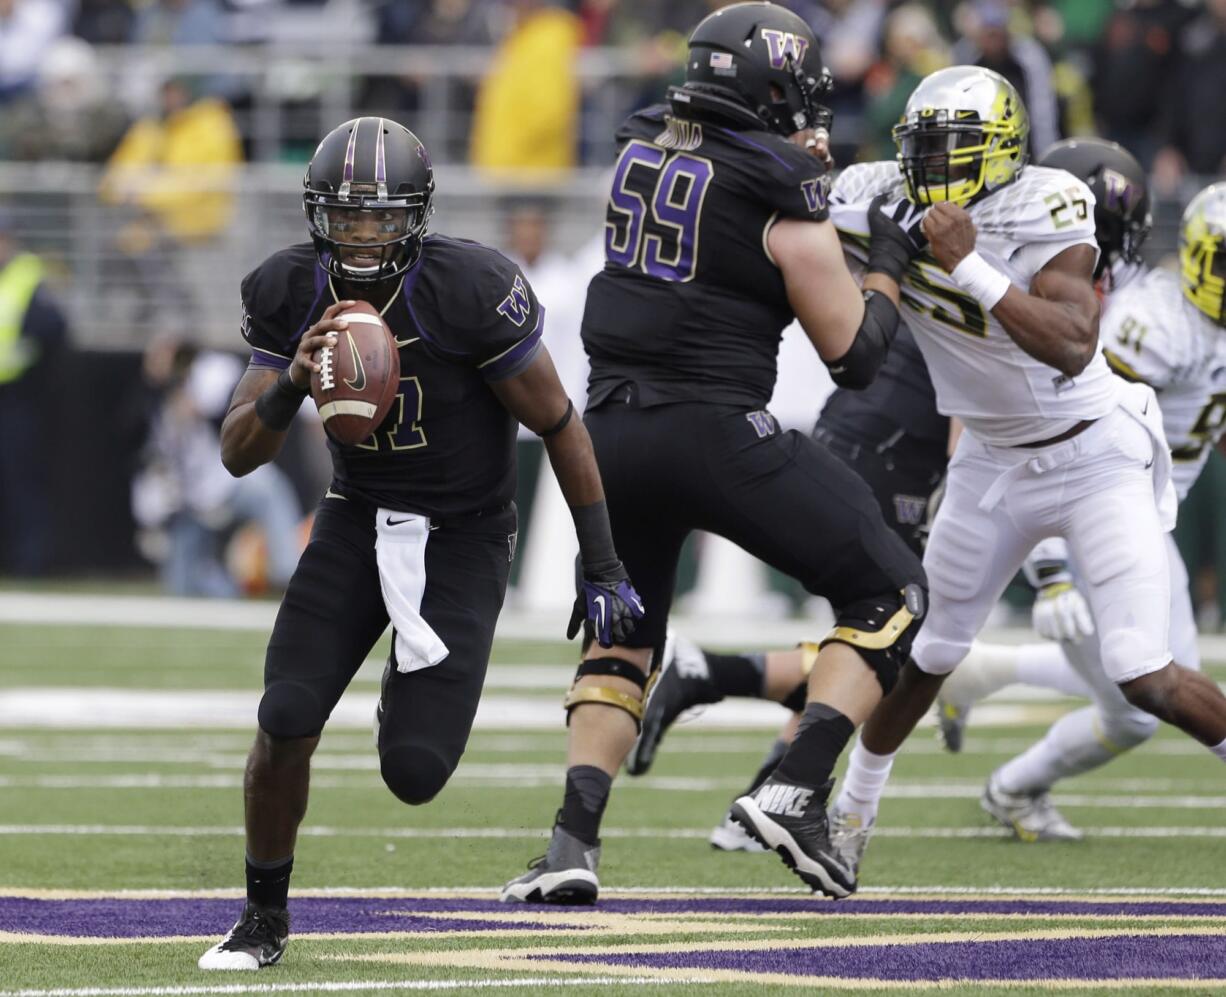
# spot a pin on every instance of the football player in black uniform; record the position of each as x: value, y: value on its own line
x: 418, y: 525
x: 717, y: 234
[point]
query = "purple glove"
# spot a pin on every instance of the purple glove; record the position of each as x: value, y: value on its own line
x: 611, y: 605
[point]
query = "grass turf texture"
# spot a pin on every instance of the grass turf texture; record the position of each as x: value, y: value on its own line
x: 74, y: 783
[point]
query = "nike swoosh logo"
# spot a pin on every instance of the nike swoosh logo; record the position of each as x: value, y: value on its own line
x: 399, y: 522
x: 1150, y: 464
x: 1145, y: 411
x: 600, y: 604
x: 359, y: 378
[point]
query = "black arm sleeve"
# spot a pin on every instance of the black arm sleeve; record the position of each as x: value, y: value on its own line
x: 858, y: 367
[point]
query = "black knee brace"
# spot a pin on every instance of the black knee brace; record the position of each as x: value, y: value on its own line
x: 882, y: 630
x: 604, y: 694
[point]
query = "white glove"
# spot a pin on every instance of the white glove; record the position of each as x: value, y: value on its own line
x: 1061, y: 613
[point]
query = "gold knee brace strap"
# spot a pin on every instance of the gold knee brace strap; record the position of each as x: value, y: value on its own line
x: 605, y: 695
x: 808, y: 656
x: 872, y: 640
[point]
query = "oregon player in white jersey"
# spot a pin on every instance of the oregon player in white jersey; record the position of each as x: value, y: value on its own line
x: 1166, y: 330
x: 1002, y: 304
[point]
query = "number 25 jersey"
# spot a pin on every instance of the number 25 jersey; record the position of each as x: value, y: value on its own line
x: 689, y: 305
x: 463, y: 316
x: 1004, y: 396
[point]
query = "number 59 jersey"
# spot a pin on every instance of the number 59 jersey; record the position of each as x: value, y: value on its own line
x: 1150, y: 332
x: 689, y: 305
x: 1003, y: 395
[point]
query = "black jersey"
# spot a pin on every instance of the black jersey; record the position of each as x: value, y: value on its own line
x: 463, y: 316
x: 689, y: 305
x: 900, y: 402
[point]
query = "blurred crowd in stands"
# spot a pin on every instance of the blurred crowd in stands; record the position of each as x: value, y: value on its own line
x: 1148, y: 73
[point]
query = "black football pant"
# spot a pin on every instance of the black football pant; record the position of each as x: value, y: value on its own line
x: 333, y: 613
x: 781, y: 496
x: 900, y: 478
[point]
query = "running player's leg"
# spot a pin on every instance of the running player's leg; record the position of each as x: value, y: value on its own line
x: 1116, y: 539
x: 792, y: 504
x: 604, y: 705
x: 970, y: 558
x: 426, y: 715
x: 329, y: 619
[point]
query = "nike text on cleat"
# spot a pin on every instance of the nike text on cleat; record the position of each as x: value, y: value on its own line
x: 257, y: 939
x: 1031, y: 817
x: 791, y: 820
x: 849, y: 837
x: 565, y: 874
x: 729, y: 836
x: 683, y: 682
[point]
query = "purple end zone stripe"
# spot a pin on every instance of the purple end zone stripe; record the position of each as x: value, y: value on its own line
x: 114, y: 918
x: 737, y: 136
x: 266, y: 361
x: 350, y: 150
x: 1192, y: 957
x: 380, y: 164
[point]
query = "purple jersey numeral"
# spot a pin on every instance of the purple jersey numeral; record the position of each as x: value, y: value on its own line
x: 670, y: 252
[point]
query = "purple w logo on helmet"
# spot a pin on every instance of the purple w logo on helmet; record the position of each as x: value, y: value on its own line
x: 1121, y: 193
x: 782, y: 45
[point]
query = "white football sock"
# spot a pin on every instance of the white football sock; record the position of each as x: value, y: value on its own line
x: 1220, y: 751
x: 864, y: 782
x: 1074, y: 744
x: 1044, y: 664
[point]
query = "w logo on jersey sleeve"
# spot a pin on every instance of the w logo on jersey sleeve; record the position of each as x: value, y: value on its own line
x: 516, y: 306
x: 782, y: 45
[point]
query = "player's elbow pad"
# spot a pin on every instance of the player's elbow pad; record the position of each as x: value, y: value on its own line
x: 859, y: 365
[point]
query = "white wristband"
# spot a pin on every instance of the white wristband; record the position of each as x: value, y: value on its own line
x: 981, y: 280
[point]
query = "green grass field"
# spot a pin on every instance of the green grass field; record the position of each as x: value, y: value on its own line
x: 121, y: 850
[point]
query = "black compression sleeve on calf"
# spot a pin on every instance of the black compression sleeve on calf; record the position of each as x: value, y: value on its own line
x: 858, y: 367
x: 820, y: 739
x: 596, y: 549
x: 587, y: 792
x: 737, y: 674
x: 561, y: 424
x: 278, y: 405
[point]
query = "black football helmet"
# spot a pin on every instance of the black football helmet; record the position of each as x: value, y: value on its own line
x: 368, y: 196
x: 758, y: 65
x: 1122, y: 216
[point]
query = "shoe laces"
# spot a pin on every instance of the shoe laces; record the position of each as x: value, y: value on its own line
x: 258, y: 926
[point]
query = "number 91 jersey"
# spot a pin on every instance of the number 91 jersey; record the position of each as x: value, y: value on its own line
x: 689, y: 305
x: 1003, y: 395
x: 463, y: 316
x: 1150, y: 332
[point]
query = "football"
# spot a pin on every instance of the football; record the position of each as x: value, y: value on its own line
x: 357, y: 378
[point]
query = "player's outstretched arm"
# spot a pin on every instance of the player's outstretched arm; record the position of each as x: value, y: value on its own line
x: 851, y: 330
x: 537, y: 399
x: 265, y: 402
x: 1056, y: 322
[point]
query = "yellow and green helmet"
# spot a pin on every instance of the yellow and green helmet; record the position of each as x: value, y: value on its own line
x: 1202, y: 251
x: 962, y: 135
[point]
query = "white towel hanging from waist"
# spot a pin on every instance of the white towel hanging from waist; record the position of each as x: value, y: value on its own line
x: 400, y: 549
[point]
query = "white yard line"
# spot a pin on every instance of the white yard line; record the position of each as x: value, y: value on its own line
x: 74, y: 609
x: 443, y: 833
x: 352, y: 986
x: 477, y: 776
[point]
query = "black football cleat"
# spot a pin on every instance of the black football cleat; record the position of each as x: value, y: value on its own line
x: 257, y: 940
x: 791, y: 820
x: 684, y: 681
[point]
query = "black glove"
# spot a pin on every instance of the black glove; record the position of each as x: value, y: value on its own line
x: 607, y: 601
x: 895, y: 238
